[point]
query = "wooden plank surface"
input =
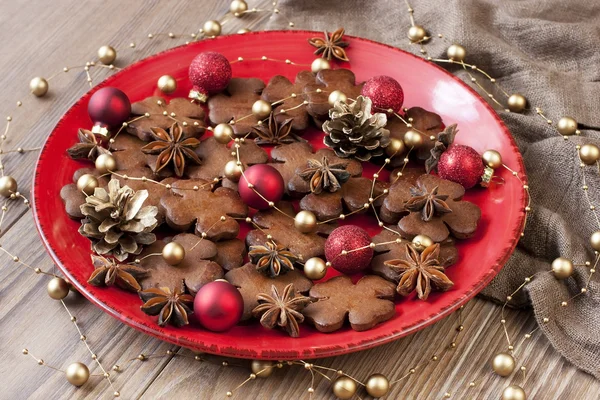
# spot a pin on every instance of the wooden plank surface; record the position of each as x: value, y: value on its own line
x: 40, y: 37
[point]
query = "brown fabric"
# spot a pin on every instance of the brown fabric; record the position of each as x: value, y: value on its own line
x: 547, y: 50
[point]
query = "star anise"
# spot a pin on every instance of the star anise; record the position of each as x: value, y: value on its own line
x: 273, y: 132
x: 272, y: 259
x: 109, y: 273
x: 428, y: 203
x: 420, y: 272
x: 173, y: 147
x: 324, y: 176
x: 172, y: 306
x: 88, y: 147
x: 282, y: 311
x: 332, y: 46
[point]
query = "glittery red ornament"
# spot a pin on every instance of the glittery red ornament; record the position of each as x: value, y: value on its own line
x: 385, y: 92
x: 210, y: 72
x: 349, y: 238
x: 266, y: 180
x: 461, y: 164
x: 218, y: 306
x: 109, y: 107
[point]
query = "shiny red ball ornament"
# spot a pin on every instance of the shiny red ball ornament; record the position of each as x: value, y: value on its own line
x: 210, y: 72
x: 218, y: 306
x: 461, y: 164
x: 266, y: 180
x: 385, y: 92
x: 348, y: 238
x: 109, y: 107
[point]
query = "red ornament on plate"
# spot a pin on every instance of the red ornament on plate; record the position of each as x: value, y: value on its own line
x: 385, y: 92
x: 461, y: 164
x: 218, y: 306
x: 266, y: 180
x: 108, y: 107
x: 210, y: 72
x: 349, y: 238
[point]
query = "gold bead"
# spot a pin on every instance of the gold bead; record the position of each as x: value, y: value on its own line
x: 173, y: 253
x: 377, y: 385
x: 566, y: 126
x: 562, y: 268
x: 57, y: 288
x: 238, y: 7
x: 422, y: 241
x: 492, y: 159
x: 77, y: 374
x: 261, y: 109
x: 344, y: 388
x: 517, y: 103
x: 589, y: 154
x: 262, y: 369
x: 87, y: 183
x: 232, y: 171
x: 395, y: 147
x: 107, y: 55
x: 305, y: 221
x: 319, y: 64
x: 212, y: 28
x: 456, y: 52
x: 595, y: 240
x: 416, y: 33
x: 315, y: 268
x: 335, y: 96
x: 167, y: 84
x: 223, y: 133
x: 514, y: 392
x: 105, y: 163
x: 242, y: 31
x: 38, y: 86
x: 413, y: 139
x: 8, y: 185
x: 503, y: 364
x: 116, y: 394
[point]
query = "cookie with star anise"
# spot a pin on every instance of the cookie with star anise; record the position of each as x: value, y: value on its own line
x: 281, y: 309
x: 73, y: 198
x: 171, y: 149
x: 332, y: 79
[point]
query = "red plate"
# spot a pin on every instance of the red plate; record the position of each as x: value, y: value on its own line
x: 424, y: 84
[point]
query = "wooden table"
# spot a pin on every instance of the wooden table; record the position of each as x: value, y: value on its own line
x: 39, y: 38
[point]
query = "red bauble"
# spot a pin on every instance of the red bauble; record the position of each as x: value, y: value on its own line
x: 109, y: 107
x: 266, y: 180
x: 349, y: 237
x: 461, y: 164
x: 210, y: 72
x: 218, y: 306
x: 385, y: 92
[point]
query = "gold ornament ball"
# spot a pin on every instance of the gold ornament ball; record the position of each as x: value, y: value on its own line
x: 503, y: 364
x: 413, y: 139
x: 232, y: 171
x: 492, y: 159
x: 38, y: 86
x: 238, y: 7
x: 416, y: 33
x: 261, y: 109
x: 105, y: 163
x: 456, y: 52
x: 167, y: 84
x: 87, y: 183
x: 395, y: 147
x: 77, y: 373
x: 305, y: 221
x: 8, y: 185
x: 212, y: 28
x: 344, y: 388
x: 562, y: 267
x: 243, y: 30
x: 595, y: 240
x: 589, y: 154
x: 567, y: 126
x: 335, y: 96
x: 315, y: 268
x: 107, y: 55
x: 223, y: 133
x: 514, y: 392
x: 517, y: 103
x: 319, y: 64
x: 265, y: 366
x: 421, y: 242
x: 173, y: 253
x: 57, y: 288
x: 377, y: 385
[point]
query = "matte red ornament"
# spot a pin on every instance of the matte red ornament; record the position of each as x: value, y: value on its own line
x: 210, y: 72
x: 385, y: 92
x: 461, y: 164
x: 218, y: 306
x: 108, y: 107
x: 349, y: 238
x: 266, y: 180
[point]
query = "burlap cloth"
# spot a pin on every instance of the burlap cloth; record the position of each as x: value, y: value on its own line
x: 550, y: 52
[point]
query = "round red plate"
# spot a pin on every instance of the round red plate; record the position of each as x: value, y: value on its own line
x: 425, y: 85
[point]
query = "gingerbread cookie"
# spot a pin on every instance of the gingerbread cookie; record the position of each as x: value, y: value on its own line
x: 230, y: 254
x: 366, y: 304
x: 73, y: 198
x: 242, y: 93
x: 333, y: 79
x: 127, y: 152
x: 88, y: 148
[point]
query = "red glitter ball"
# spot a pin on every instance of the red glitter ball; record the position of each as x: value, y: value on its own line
x: 385, y: 92
x: 210, y: 72
x: 461, y: 164
x: 349, y: 238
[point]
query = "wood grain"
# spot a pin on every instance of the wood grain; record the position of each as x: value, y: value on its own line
x: 39, y: 38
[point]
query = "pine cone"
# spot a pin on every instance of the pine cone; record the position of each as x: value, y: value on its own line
x: 352, y: 131
x: 115, y: 221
